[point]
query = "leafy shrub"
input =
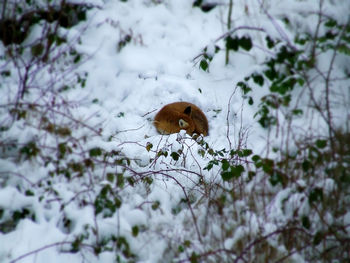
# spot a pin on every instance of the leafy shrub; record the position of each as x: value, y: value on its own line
x: 290, y: 204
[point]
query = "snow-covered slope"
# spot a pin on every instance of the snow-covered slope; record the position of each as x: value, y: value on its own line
x: 148, y: 197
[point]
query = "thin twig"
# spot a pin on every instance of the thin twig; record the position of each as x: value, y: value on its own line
x: 229, y: 28
x: 230, y: 32
x: 280, y: 31
x: 263, y: 238
x: 40, y: 249
x: 327, y: 90
x: 227, y: 118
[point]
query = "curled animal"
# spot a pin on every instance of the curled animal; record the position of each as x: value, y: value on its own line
x: 178, y: 116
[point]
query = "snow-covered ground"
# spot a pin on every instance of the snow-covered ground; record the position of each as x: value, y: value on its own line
x: 165, y: 210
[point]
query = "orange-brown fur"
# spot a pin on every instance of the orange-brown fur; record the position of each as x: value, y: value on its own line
x: 169, y: 118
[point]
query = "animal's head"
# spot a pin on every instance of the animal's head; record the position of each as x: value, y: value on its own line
x: 185, y: 121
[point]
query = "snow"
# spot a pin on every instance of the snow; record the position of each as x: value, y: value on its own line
x: 125, y: 88
x: 12, y: 199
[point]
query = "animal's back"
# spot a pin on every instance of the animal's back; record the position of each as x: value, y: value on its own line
x: 181, y: 115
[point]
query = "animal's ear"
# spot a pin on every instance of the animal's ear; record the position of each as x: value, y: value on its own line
x: 183, y: 124
x: 188, y: 110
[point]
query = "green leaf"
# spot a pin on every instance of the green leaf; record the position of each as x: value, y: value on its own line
x: 271, y: 72
x: 266, y: 120
x: 244, y: 87
x: 237, y: 170
x: 120, y: 180
x: 37, y: 50
x: 148, y: 180
x: 29, y: 193
x: 256, y: 158
x: 316, y: 195
x: 232, y: 43
x: 63, y: 131
x: 131, y: 181
x: 187, y: 243
x: 345, y: 178
x: 104, y: 203
x: 117, y: 203
x: 250, y: 101
x: 276, y: 178
x: 162, y: 153
x: 5, y: 73
x: 149, y: 146
x: 330, y: 35
x: 209, y: 166
x: 175, y: 156
x: 135, y: 231
x: 268, y: 166
x: 77, y: 58
x: 270, y: 43
x: 110, y: 177
x: 30, y: 150
x: 180, y: 249
x: 95, y: 152
x: 121, y: 114
x: 247, y: 152
x: 251, y: 174
x: 207, y: 56
x: 302, y: 40
x: 233, y: 152
x: 306, y: 165
x: 226, y: 176
x: 286, y: 100
x: 197, y: 3
x: 225, y: 164
x: 194, y: 258
x: 246, y: 43
x: 76, y: 244
x: 204, y: 65
x: 318, y: 238
x: 258, y: 79
x: 81, y: 15
x: 321, y: 144
x: 297, y: 112
x: 155, y: 205
x: 306, y: 222
x: 343, y: 48
x: 62, y: 149
x: 301, y: 82
x: 280, y: 88
x: 283, y: 54
x: 331, y: 23
x: 201, y: 152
